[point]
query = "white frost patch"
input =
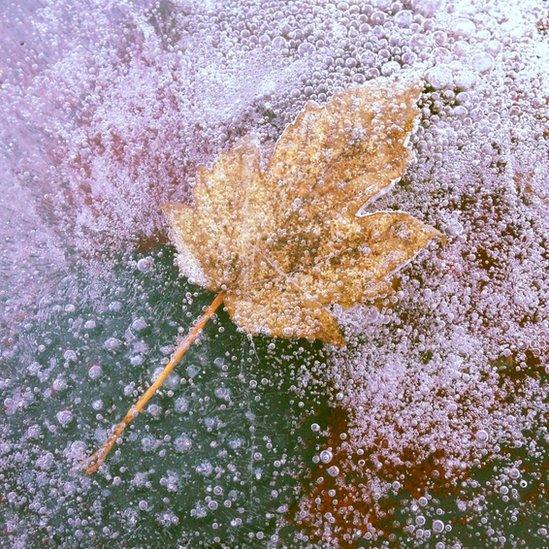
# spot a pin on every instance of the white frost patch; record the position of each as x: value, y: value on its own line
x: 190, y: 267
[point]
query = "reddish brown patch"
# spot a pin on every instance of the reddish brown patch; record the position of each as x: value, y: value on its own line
x: 354, y: 506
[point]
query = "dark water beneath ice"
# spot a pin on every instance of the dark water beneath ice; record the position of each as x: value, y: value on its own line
x: 217, y: 458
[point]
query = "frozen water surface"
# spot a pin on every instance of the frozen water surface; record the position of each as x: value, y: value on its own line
x: 427, y: 429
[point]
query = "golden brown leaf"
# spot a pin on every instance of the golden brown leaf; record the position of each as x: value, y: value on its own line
x: 286, y: 242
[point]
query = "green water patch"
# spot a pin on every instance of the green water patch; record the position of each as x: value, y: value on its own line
x: 216, y: 458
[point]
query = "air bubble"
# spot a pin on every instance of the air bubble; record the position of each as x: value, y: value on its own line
x: 482, y: 62
x: 64, y: 417
x: 439, y: 77
x: 95, y: 371
x: 438, y: 526
x: 145, y: 264
x: 112, y: 344
x: 326, y: 456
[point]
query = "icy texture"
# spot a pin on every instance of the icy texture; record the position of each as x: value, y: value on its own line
x: 107, y: 108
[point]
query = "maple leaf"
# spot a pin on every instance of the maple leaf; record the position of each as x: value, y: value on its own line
x: 285, y: 242
x: 282, y: 244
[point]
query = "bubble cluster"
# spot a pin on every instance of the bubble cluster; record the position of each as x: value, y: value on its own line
x: 435, y: 432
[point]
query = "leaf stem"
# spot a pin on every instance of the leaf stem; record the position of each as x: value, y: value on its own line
x: 94, y: 462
